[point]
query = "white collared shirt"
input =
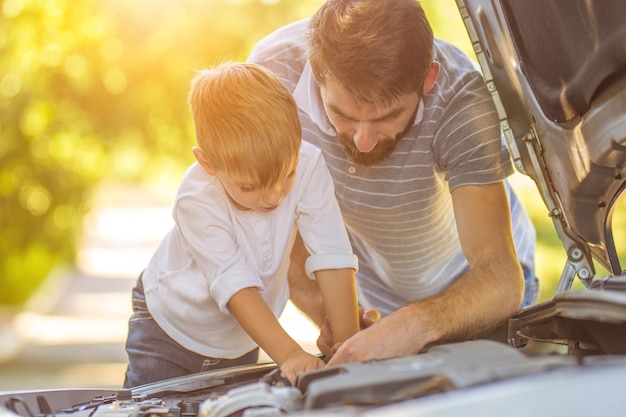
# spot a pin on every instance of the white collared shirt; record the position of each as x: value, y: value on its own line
x: 215, y: 250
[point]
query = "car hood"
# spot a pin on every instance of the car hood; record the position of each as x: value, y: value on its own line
x: 557, y: 73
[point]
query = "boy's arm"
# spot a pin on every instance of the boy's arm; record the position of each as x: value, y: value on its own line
x: 257, y: 319
x: 304, y: 292
x: 338, y: 288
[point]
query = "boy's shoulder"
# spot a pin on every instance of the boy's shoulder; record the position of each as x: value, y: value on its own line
x: 309, y: 149
x: 309, y: 153
x: 196, y: 180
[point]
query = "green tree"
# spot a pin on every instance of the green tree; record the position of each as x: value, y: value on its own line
x: 51, y: 152
x: 92, y: 89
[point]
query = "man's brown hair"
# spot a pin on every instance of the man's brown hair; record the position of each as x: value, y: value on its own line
x: 378, y: 50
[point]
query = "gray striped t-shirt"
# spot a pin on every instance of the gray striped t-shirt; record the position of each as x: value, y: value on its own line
x: 399, y: 214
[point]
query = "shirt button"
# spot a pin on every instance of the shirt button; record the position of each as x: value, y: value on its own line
x: 351, y: 170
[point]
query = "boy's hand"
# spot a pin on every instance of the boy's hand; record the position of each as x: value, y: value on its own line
x: 299, y: 362
x: 325, y: 342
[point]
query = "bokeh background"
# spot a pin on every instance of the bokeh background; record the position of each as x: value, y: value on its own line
x: 95, y: 91
x: 93, y: 109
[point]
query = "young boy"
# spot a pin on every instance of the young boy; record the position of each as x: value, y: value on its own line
x: 211, y: 293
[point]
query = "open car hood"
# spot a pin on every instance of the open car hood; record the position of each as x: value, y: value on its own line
x: 557, y: 73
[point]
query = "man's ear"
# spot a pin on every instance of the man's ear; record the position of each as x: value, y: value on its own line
x: 197, y: 152
x: 431, y: 77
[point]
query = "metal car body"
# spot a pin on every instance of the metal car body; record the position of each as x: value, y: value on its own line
x: 557, y: 73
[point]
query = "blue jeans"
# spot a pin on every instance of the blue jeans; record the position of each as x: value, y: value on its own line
x: 154, y: 356
x: 531, y: 291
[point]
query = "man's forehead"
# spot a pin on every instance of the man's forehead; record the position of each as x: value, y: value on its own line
x: 340, y: 101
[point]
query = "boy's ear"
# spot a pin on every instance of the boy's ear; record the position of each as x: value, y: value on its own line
x: 431, y: 77
x: 197, y: 152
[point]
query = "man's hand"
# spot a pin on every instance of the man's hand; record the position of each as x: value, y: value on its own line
x: 392, y: 336
x: 476, y: 303
x: 367, y: 317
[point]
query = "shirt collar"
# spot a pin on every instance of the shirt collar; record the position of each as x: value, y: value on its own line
x: 307, y: 96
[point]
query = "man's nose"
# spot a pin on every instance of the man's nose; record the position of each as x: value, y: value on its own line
x: 365, y: 137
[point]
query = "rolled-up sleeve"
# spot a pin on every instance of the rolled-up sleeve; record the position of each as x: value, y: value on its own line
x: 330, y: 261
x: 219, y: 262
x: 228, y: 284
x: 320, y: 223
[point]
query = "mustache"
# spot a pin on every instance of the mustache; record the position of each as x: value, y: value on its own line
x: 380, y: 153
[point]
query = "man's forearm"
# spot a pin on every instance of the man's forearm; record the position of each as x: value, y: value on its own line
x: 308, y: 299
x: 493, y: 288
x: 470, y: 308
x: 473, y: 306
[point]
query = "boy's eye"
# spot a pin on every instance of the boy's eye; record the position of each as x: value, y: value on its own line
x: 340, y: 116
x: 246, y: 189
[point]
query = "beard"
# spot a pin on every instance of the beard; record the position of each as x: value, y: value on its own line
x: 383, y: 149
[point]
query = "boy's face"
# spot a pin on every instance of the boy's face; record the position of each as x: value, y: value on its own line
x: 247, y: 196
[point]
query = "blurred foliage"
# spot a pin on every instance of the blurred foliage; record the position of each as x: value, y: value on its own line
x: 95, y: 89
x: 551, y: 256
x: 92, y: 89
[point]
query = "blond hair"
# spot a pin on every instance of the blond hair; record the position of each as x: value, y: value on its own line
x: 246, y: 122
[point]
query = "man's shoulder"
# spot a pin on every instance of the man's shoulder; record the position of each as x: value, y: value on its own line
x: 283, y: 52
x: 456, y: 67
x: 452, y: 55
x: 459, y: 76
x: 294, y: 32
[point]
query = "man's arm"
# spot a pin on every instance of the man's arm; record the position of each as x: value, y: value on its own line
x: 475, y: 304
x: 495, y: 280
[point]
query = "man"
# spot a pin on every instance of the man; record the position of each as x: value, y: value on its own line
x: 412, y: 140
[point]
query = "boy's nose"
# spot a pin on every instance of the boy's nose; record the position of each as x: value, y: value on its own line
x: 272, y: 196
